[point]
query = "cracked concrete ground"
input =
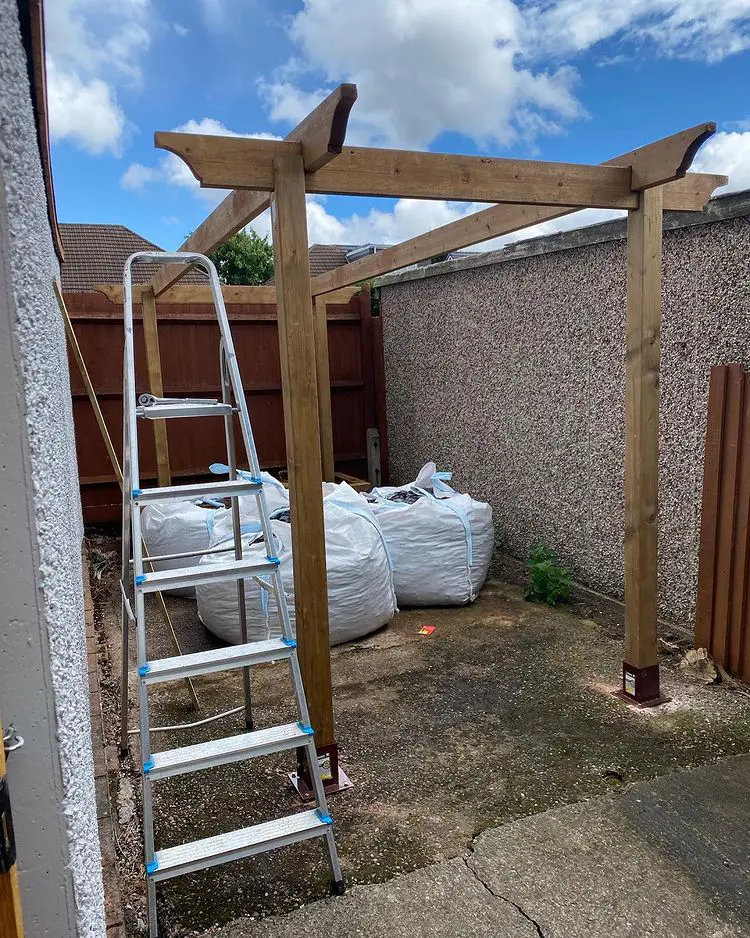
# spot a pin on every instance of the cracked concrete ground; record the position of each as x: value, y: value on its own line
x: 501, y: 713
x: 664, y: 859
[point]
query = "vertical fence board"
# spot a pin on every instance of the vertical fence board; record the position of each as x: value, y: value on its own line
x: 727, y: 512
x: 738, y: 598
x: 190, y: 367
x: 722, y: 613
x: 710, y: 506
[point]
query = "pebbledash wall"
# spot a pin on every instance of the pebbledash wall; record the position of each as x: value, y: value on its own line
x: 43, y: 673
x: 509, y: 369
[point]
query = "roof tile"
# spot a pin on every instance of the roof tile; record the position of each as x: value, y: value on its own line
x: 97, y: 253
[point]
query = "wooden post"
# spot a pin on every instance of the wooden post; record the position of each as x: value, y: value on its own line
x: 301, y: 419
x: 11, y: 918
x: 155, y: 383
x: 324, y: 389
x: 640, y: 681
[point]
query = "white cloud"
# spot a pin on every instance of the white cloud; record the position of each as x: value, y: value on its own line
x: 92, y: 49
x: 424, y: 67
x: 729, y: 154
x: 286, y: 102
x: 84, y: 111
x: 498, y: 71
x: 136, y: 176
x: 181, y: 30
x: 707, y: 30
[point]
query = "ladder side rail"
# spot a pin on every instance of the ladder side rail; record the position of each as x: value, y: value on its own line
x: 133, y: 482
x: 239, y: 396
x: 126, y: 579
x: 226, y: 396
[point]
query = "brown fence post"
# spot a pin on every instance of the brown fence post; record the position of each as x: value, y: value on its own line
x: 155, y: 382
x: 324, y: 388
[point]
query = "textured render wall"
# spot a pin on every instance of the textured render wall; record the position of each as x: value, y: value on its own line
x: 513, y: 375
x: 43, y: 674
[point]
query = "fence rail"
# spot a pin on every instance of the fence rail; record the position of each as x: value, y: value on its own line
x: 189, y: 345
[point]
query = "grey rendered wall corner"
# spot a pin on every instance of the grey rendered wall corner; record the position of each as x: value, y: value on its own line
x: 43, y: 675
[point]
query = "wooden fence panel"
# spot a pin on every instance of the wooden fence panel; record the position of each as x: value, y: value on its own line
x: 722, y: 620
x: 189, y: 345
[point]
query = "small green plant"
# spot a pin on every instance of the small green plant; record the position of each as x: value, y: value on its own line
x: 550, y: 583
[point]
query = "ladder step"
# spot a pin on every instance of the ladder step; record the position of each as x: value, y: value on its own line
x: 217, y: 659
x: 225, y: 489
x: 230, y: 749
x: 234, y: 845
x: 165, y: 411
x: 202, y: 573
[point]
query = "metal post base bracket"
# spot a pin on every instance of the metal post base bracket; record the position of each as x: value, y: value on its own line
x: 332, y: 775
x: 640, y: 686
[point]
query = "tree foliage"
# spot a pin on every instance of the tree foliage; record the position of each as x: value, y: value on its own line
x: 246, y: 258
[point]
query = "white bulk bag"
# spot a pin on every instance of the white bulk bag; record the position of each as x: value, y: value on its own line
x: 440, y: 541
x: 361, y: 597
x: 175, y: 527
x: 277, y: 498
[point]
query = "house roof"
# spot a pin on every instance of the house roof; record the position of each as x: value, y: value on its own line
x: 325, y: 257
x: 97, y: 253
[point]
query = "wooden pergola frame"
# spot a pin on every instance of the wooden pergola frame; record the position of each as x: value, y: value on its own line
x: 279, y: 174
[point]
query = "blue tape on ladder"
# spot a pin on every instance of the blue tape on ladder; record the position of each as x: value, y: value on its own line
x: 325, y: 818
x: 136, y: 492
x: 144, y: 669
x: 271, y: 559
x: 288, y: 641
x: 306, y: 728
x: 140, y: 578
x: 152, y: 867
x: 147, y: 766
x: 257, y: 480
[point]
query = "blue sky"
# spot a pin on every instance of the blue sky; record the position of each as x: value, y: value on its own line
x: 575, y: 80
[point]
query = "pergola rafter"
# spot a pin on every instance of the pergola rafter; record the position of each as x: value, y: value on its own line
x: 314, y: 159
x: 689, y: 194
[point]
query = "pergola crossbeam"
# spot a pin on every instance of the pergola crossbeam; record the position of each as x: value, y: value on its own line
x: 244, y: 163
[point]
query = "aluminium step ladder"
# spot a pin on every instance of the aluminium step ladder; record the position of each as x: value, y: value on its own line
x: 137, y: 581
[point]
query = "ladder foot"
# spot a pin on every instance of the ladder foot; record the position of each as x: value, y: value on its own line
x: 338, y: 887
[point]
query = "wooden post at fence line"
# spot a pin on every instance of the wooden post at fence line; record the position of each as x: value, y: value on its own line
x: 155, y: 383
x: 324, y: 389
x: 640, y: 672
x: 301, y: 417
